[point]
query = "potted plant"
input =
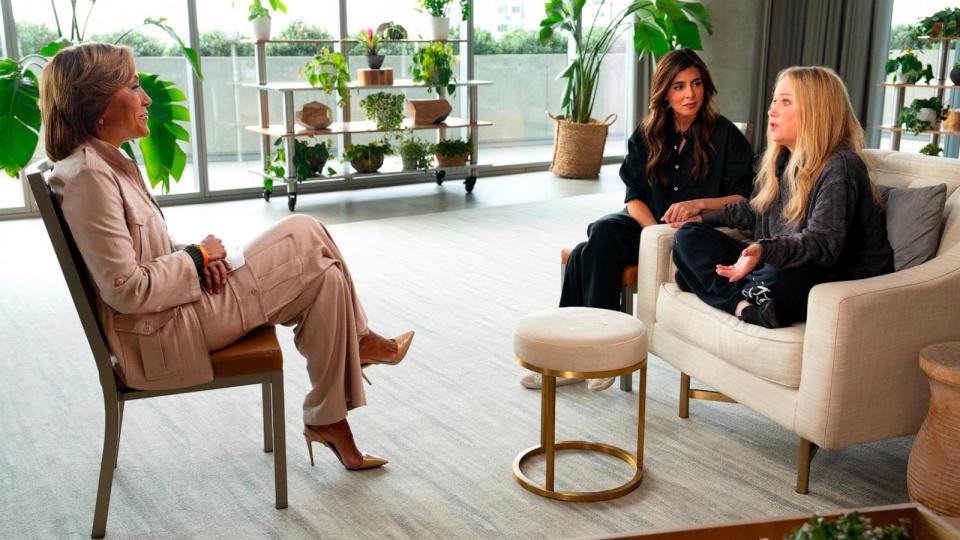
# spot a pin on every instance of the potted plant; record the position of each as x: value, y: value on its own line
x: 367, y: 158
x: 308, y: 161
x: 909, y: 67
x: 453, y: 152
x: 439, y: 11
x: 260, y: 17
x: 922, y: 115
x: 329, y: 71
x: 931, y: 150
x: 433, y: 66
x: 659, y: 27
x: 385, y: 108
x: 391, y: 31
x: 944, y: 23
x: 371, y: 44
x: 852, y: 526
x: 415, y: 153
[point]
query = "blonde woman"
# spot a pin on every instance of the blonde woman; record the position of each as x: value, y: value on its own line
x: 186, y: 300
x: 815, y: 213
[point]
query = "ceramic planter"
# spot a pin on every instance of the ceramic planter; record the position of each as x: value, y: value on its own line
x: 955, y: 75
x: 929, y: 115
x: 261, y: 28
x: 440, y: 28
x: 374, y: 61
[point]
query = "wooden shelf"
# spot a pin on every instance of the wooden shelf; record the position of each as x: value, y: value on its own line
x: 326, y: 41
x: 945, y: 38
x: 346, y: 173
x: 302, y: 86
x: 361, y: 126
x: 952, y: 133
x: 932, y: 86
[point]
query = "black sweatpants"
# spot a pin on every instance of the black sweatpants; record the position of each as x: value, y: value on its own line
x: 594, y: 273
x: 697, y: 250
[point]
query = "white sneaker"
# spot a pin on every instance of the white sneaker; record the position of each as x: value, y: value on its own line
x: 597, y: 385
x: 534, y: 381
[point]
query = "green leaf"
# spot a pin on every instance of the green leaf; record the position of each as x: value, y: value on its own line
x: 54, y: 47
x: 162, y: 153
x: 648, y: 37
x: 688, y: 35
x: 331, y: 171
x: 188, y: 53
x: 700, y: 13
x: 128, y: 150
x: 19, y: 117
x: 545, y: 34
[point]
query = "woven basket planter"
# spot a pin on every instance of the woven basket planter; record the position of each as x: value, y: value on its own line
x: 578, y: 148
x: 452, y: 160
x: 364, y: 166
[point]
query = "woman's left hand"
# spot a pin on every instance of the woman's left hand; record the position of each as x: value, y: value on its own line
x: 749, y: 259
x: 682, y: 211
x: 215, y: 275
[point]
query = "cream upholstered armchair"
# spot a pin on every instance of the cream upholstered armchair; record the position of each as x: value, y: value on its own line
x: 847, y: 376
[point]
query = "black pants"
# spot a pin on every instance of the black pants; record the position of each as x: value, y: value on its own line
x: 594, y: 273
x: 699, y: 248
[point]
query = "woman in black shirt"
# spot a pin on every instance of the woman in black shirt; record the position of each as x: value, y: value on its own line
x: 815, y: 215
x: 684, y: 159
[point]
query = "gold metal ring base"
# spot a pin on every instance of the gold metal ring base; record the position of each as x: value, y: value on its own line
x: 579, y: 496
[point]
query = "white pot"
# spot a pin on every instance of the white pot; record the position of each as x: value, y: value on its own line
x: 929, y: 115
x: 440, y: 27
x: 261, y: 28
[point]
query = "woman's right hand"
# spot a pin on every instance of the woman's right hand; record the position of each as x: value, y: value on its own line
x: 214, y: 248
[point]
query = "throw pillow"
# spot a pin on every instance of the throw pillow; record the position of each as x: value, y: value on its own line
x: 914, y: 221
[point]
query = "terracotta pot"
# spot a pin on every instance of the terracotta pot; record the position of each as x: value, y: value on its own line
x: 936, y: 29
x: 364, y: 166
x: 453, y: 160
x: 261, y: 28
x: 374, y: 61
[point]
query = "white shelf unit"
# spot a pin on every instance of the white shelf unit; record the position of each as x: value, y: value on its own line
x: 348, y: 179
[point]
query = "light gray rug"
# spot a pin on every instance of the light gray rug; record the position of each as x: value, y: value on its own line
x: 451, y: 418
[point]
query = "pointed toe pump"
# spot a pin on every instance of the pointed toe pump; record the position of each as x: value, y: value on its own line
x: 403, y: 345
x: 369, y: 461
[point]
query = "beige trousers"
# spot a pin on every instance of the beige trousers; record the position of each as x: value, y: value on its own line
x: 294, y: 275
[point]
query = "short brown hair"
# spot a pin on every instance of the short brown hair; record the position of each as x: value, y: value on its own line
x: 75, y: 88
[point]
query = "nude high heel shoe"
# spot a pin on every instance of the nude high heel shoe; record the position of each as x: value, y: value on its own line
x: 369, y: 461
x: 403, y: 345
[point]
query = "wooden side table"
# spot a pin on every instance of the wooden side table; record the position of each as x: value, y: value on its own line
x: 933, y: 472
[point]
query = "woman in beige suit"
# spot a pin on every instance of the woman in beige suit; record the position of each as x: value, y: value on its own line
x: 163, y: 306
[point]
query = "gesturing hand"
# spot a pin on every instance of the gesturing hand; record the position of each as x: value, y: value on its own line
x: 678, y: 224
x: 214, y: 247
x: 215, y: 275
x: 749, y: 259
x: 681, y: 211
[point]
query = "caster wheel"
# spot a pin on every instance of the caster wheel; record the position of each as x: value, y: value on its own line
x: 292, y: 201
x: 266, y: 195
x: 469, y: 183
x: 440, y: 176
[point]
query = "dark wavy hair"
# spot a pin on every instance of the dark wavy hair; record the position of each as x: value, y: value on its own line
x: 659, y: 114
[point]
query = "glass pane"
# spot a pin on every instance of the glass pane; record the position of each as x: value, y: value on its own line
x: 228, y: 105
x: 611, y: 90
x: 156, y: 52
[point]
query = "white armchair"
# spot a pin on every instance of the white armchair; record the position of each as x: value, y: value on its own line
x: 849, y: 374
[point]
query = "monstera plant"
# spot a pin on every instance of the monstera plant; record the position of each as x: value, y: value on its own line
x: 20, y: 119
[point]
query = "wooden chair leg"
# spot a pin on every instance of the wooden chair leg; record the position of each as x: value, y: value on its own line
x: 267, y: 419
x: 111, y: 442
x: 279, y: 441
x: 119, y: 430
x: 626, y: 306
x: 807, y: 451
x: 684, y: 395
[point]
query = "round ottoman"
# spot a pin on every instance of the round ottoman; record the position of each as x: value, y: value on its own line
x: 585, y: 343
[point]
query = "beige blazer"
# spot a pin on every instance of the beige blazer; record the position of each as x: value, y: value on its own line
x: 146, y: 286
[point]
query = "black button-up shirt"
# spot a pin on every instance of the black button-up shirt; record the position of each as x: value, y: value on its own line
x: 730, y: 171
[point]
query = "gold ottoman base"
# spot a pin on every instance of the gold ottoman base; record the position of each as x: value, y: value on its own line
x: 579, y: 496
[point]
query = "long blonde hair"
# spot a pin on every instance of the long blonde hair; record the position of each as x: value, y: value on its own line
x: 75, y: 89
x: 825, y: 122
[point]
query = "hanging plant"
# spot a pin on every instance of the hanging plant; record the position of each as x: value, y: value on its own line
x: 433, y: 65
x: 329, y: 71
x: 20, y: 120
x: 385, y: 108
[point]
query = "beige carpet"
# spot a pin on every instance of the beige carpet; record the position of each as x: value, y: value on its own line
x: 451, y: 418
